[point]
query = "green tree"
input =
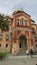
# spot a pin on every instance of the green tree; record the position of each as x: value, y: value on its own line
x: 3, y: 23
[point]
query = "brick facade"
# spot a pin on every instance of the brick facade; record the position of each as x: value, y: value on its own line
x: 22, y: 25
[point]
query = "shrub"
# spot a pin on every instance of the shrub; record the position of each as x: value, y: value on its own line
x: 2, y: 55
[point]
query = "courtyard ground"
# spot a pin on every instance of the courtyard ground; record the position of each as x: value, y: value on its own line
x: 19, y: 60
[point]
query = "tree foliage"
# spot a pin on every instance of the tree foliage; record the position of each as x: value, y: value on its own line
x: 3, y: 23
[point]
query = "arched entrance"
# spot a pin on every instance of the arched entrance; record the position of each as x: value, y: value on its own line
x: 23, y: 42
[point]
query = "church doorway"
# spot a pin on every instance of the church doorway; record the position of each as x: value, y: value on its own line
x: 23, y: 42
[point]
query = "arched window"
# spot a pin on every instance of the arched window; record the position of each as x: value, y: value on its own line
x: 1, y: 36
x: 26, y: 23
x: 0, y: 45
x: 7, y: 37
x: 18, y: 22
x: 22, y: 22
x: 36, y: 45
x: 6, y: 45
x: 33, y: 30
x: 36, y: 37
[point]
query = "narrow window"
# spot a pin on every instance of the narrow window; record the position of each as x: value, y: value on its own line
x: 18, y: 22
x: 0, y: 36
x: 33, y: 30
x: 0, y: 45
x: 6, y: 45
x: 7, y: 37
x: 22, y: 22
x: 26, y: 23
x: 36, y: 45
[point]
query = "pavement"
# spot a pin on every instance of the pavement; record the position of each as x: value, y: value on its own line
x: 19, y: 60
x: 25, y: 56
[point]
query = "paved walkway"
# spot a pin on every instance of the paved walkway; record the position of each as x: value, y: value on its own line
x: 25, y: 60
x: 26, y: 56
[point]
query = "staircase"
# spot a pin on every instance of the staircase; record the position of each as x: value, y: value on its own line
x: 22, y: 52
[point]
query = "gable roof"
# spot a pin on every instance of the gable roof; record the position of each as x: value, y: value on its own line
x: 20, y: 11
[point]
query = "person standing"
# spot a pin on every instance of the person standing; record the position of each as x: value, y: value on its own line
x: 31, y: 52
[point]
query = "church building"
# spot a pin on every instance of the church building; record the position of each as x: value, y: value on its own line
x: 22, y: 34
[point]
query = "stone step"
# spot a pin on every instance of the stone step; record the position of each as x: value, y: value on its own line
x: 22, y: 52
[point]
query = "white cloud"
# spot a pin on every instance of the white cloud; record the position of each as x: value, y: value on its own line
x: 30, y: 6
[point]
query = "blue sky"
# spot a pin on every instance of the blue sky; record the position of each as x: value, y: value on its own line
x: 29, y: 6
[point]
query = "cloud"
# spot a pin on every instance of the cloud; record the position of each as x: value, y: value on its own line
x: 29, y: 6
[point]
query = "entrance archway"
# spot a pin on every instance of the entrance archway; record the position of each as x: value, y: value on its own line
x: 23, y: 42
